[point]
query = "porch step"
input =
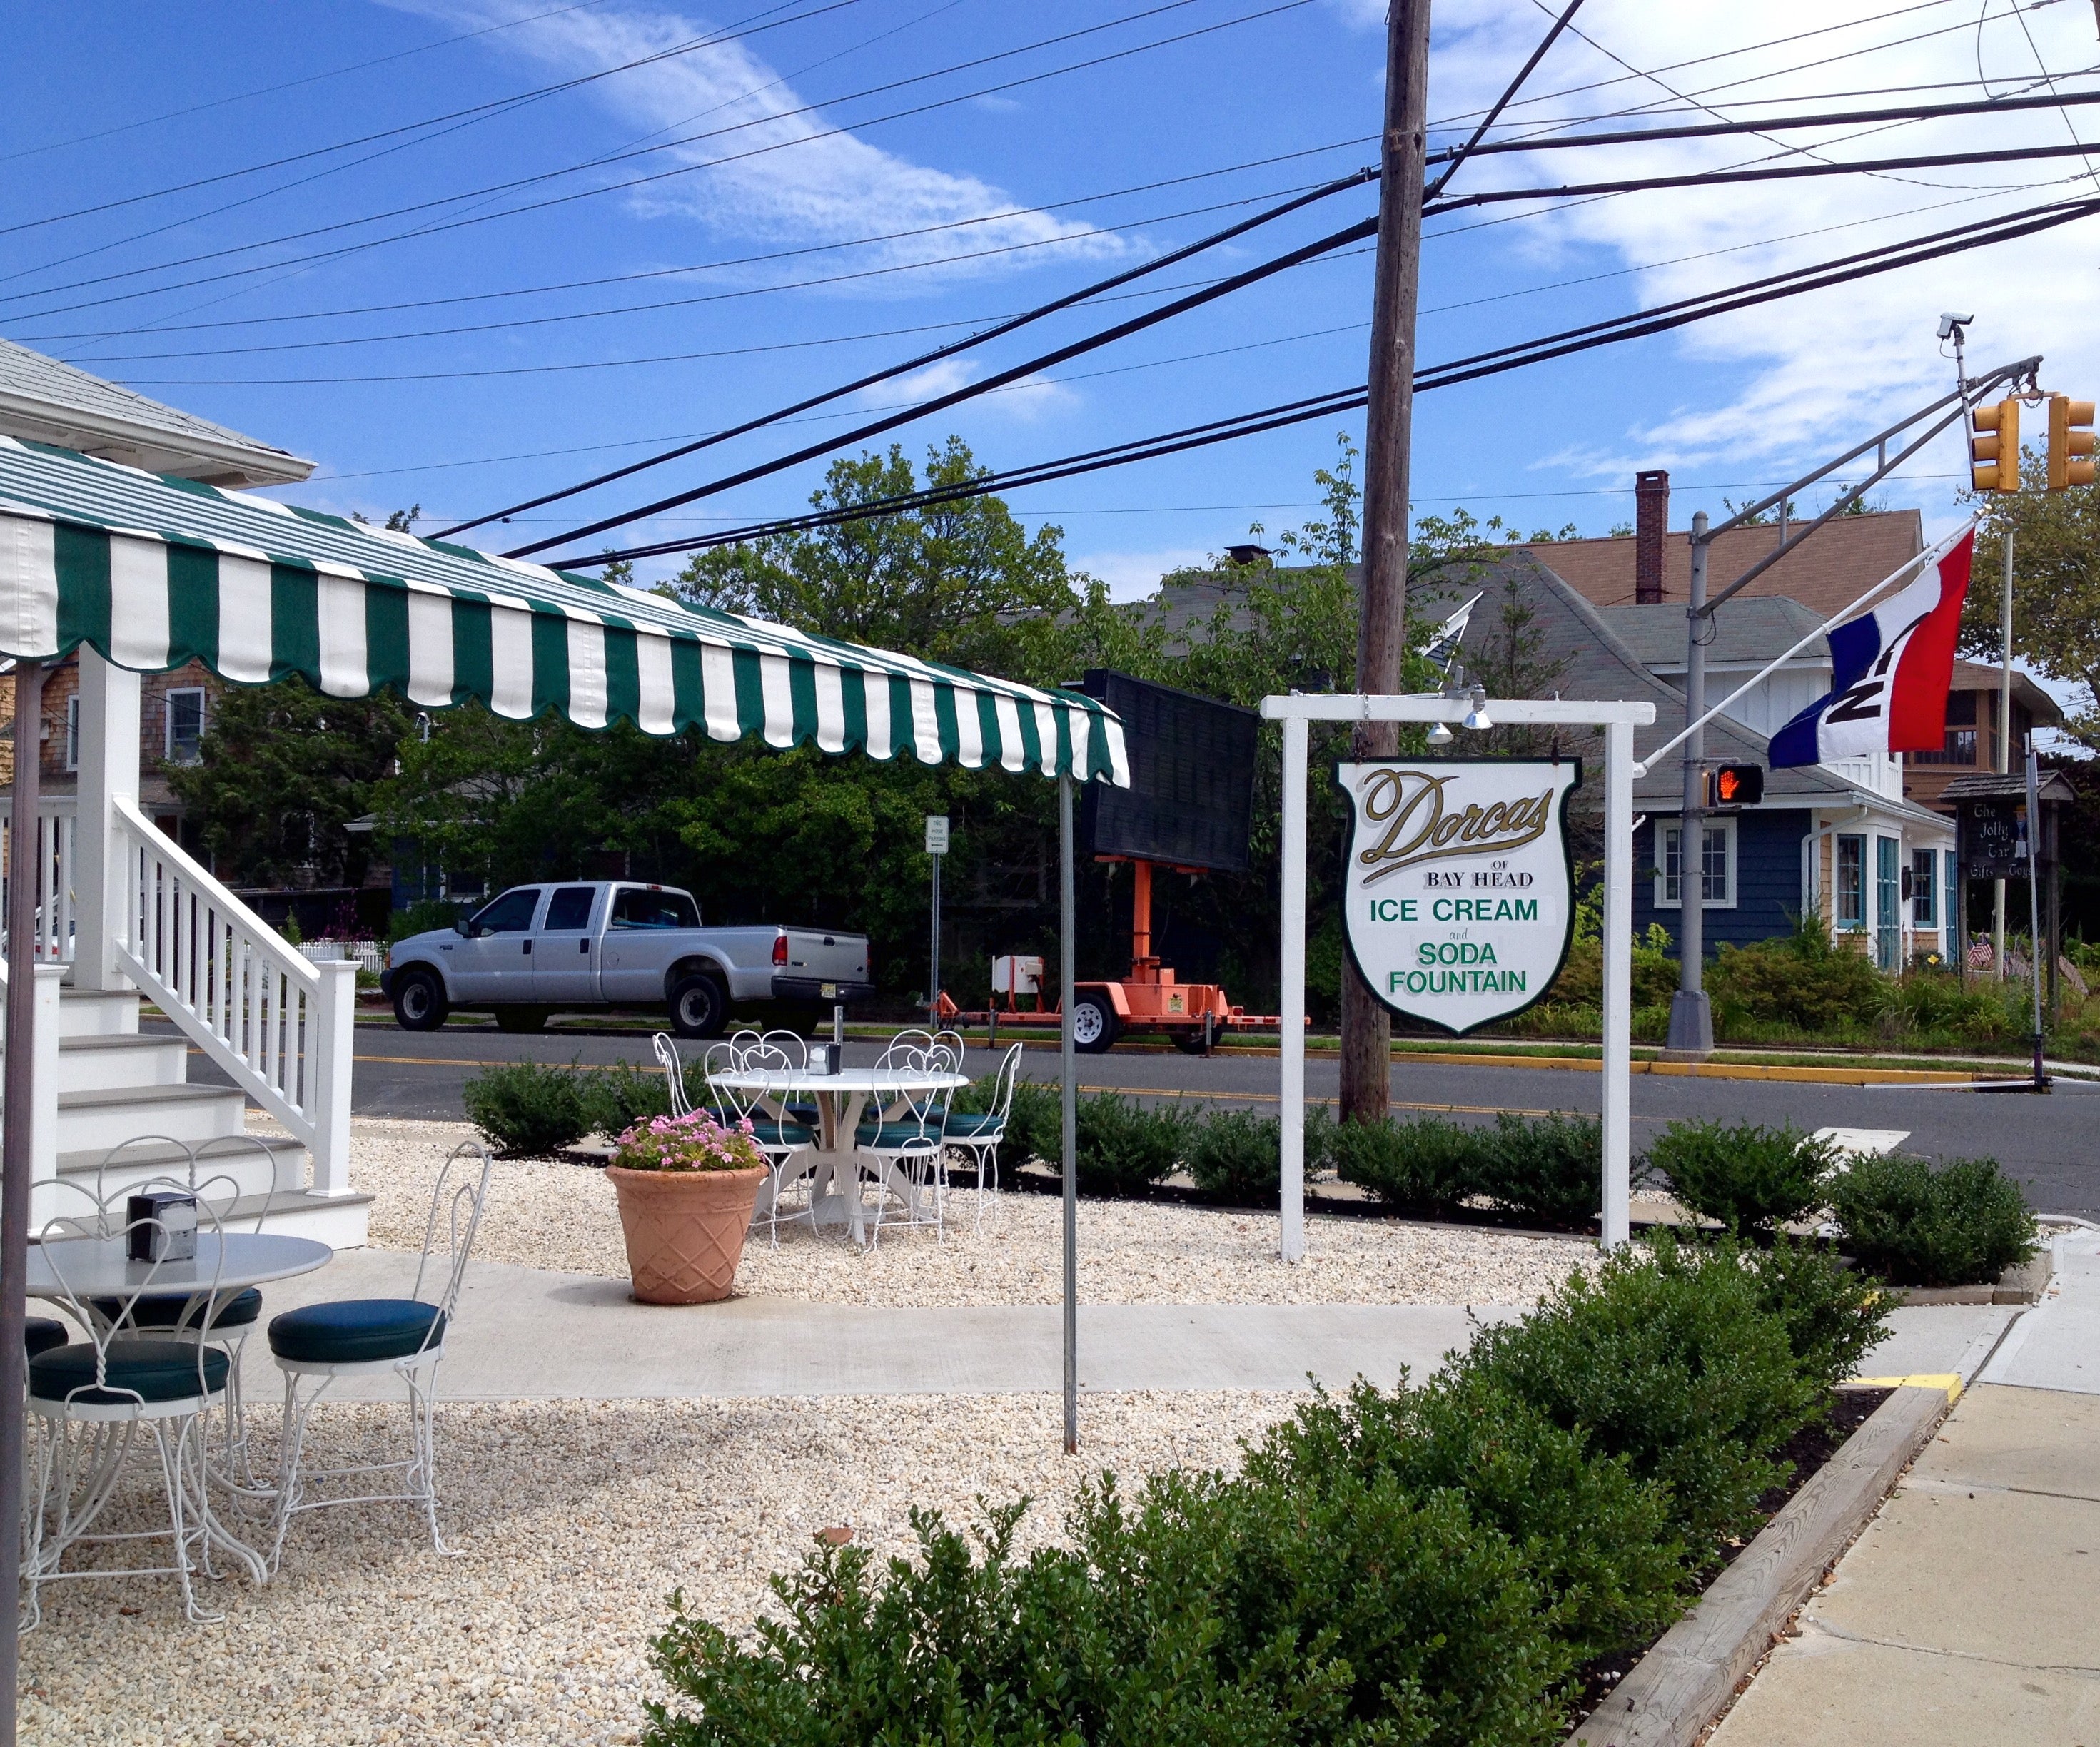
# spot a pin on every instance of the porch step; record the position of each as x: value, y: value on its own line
x: 103, y: 1061
x: 260, y: 1165
x: 84, y: 1012
x: 96, y: 1121
x: 336, y: 1220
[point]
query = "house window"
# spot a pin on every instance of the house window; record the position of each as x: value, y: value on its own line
x: 72, y: 733
x: 185, y: 735
x: 1717, y: 866
x: 1960, y: 747
x: 1924, y: 887
x: 1851, y: 882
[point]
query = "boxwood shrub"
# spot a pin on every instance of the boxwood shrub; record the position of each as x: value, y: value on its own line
x: 1962, y: 1223
x: 1547, y: 1170
x: 529, y: 1109
x: 1426, y: 1166
x: 1122, y: 1147
x: 1747, y: 1177
x: 1238, y: 1156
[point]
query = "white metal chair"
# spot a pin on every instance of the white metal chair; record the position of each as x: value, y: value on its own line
x: 981, y: 1135
x: 93, y: 1400
x: 902, y: 1155
x: 780, y: 1138
x: 674, y: 1071
x: 317, y: 1343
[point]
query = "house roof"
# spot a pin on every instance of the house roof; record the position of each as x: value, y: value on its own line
x: 1826, y: 572
x: 1745, y: 629
x: 42, y: 400
x: 1979, y: 675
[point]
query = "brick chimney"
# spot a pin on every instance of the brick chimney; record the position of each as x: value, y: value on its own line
x: 1650, y: 524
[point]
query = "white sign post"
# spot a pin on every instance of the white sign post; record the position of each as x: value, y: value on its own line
x: 937, y: 846
x: 1619, y: 720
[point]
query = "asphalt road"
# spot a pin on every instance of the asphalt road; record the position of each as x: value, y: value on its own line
x: 2052, y: 1143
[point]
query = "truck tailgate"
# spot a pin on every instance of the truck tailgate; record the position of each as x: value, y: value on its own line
x: 815, y: 955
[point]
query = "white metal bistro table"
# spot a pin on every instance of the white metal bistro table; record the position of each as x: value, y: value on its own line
x: 840, y: 1098
x: 98, y: 1267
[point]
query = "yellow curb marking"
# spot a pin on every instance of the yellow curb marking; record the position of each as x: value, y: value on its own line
x: 1947, y: 1382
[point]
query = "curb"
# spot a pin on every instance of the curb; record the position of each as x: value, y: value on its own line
x: 1692, y: 1675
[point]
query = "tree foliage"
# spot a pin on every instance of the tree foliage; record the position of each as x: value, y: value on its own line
x: 2056, y: 585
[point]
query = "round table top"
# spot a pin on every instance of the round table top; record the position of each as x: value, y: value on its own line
x: 846, y: 1079
x: 98, y: 1267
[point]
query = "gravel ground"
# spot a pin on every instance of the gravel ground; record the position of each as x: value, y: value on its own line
x: 574, y: 1522
x: 550, y: 1214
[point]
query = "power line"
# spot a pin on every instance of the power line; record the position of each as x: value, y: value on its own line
x: 1354, y: 233
x: 1452, y: 160
x: 1503, y: 359
x: 610, y: 187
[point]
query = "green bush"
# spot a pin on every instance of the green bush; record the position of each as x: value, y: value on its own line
x: 1548, y: 1170
x: 1964, y: 1224
x: 1237, y: 1154
x: 1832, y: 1317
x: 1426, y: 1166
x: 527, y: 1109
x: 1750, y: 1179
x: 1035, y: 1127
x: 616, y: 1098
x: 423, y: 916
x: 1581, y: 982
x: 1122, y: 1147
x: 1595, y: 1538
x: 1665, y: 1356
x: 1802, y: 979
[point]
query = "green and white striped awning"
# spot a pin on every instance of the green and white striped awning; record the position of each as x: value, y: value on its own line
x: 153, y: 572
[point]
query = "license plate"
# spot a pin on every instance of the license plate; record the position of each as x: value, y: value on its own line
x: 827, y: 990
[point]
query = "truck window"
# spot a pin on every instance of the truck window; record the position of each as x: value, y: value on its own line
x: 511, y: 913
x: 569, y: 909
x: 635, y: 908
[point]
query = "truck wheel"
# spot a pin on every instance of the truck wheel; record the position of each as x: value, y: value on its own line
x: 699, y: 1006
x: 419, y: 1000
x: 1095, y: 1026
x: 521, y: 1018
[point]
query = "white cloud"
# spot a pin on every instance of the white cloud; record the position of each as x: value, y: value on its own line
x: 1795, y: 378
x: 791, y: 178
x: 1131, y: 576
x: 1029, y: 399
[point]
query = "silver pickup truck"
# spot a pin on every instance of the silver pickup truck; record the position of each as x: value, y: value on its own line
x: 538, y: 950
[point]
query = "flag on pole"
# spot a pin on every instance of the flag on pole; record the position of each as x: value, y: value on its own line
x: 1892, y: 668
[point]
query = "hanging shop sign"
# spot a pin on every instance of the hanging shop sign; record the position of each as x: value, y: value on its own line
x: 1459, y: 890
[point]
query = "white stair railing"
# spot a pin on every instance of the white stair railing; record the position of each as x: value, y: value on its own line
x: 280, y: 1024
x: 57, y: 835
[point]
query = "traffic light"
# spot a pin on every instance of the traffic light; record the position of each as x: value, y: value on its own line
x: 1995, y: 466
x: 2069, y: 437
x: 1732, y: 786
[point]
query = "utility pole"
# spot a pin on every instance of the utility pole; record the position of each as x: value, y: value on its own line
x: 2004, y: 761
x: 1382, y: 608
x: 1691, y: 1012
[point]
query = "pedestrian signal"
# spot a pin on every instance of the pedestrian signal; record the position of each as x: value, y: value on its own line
x: 1732, y: 786
x: 2070, y: 442
x: 1995, y: 451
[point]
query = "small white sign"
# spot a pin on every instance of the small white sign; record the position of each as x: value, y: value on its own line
x: 1016, y: 975
x: 936, y: 834
x: 1458, y: 895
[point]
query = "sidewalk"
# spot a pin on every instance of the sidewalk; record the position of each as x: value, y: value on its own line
x: 1968, y: 1614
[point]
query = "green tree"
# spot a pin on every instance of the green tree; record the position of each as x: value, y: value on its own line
x: 2056, y: 585
x: 282, y: 769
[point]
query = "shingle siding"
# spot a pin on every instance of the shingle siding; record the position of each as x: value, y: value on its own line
x: 1767, y: 881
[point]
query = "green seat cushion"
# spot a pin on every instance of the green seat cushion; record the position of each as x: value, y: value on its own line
x: 168, y: 1310
x: 41, y: 1334
x: 355, y: 1331
x: 768, y: 1133
x: 150, y: 1371
x: 895, y: 1135
x: 968, y: 1127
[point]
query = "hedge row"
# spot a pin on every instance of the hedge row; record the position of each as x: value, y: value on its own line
x: 527, y: 1109
x: 1431, y: 1566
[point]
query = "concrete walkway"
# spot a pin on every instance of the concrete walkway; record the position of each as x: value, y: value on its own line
x: 1968, y: 1615
x: 526, y: 1334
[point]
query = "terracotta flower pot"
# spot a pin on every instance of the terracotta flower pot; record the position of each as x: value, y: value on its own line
x: 685, y: 1230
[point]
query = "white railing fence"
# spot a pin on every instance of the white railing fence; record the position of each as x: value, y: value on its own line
x: 57, y: 838
x: 278, y: 1023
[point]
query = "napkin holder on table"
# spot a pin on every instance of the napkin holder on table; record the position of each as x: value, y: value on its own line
x: 161, y: 1226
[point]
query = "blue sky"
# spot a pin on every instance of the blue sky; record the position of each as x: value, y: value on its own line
x: 815, y: 233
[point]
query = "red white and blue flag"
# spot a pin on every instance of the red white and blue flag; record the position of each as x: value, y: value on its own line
x: 1892, y: 668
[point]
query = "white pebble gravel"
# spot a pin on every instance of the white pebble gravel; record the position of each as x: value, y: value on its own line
x: 574, y: 1522
x: 551, y: 1214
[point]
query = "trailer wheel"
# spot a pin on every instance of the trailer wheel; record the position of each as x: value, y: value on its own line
x: 1095, y: 1026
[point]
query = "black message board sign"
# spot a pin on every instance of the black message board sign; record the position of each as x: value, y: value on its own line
x: 1190, y: 802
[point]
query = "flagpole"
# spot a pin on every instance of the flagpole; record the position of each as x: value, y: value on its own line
x: 1931, y: 556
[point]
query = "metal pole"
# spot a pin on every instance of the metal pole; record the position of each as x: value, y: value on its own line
x: 933, y: 988
x: 1070, y: 1061
x: 1366, y: 1040
x: 1616, y: 1223
x: 16, y: 1117
x: 2003, y: 760
x: 2034, y: 902
x: 1690, y: 1013
x: 1291, y: 1002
